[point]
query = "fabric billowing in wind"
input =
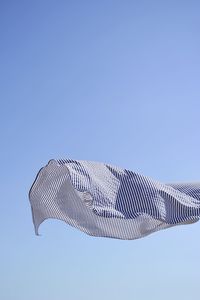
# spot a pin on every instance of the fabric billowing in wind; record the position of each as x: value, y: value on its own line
x: 106, y: 201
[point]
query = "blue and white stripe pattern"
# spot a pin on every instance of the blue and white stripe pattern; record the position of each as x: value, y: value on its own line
x: 103, y: 200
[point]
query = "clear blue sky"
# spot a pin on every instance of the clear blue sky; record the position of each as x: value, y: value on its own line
x: 111, y: 81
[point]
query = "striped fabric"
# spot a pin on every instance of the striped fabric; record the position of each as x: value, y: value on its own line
x: 107, y: 201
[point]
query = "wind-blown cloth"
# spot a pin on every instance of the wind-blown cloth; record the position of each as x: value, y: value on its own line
x: 107, y: 201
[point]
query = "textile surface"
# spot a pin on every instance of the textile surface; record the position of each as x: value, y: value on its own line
x: 107, y: 201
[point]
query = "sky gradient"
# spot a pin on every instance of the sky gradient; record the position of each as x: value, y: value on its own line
x: 111, y: 81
